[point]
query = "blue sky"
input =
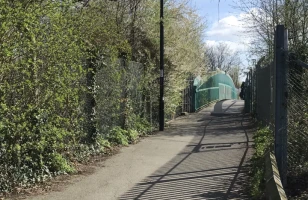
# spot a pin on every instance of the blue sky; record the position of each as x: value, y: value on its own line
x: 209, y: 8
x: 223, y: 26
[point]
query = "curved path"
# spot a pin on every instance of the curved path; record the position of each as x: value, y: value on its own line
x: 200, y: 156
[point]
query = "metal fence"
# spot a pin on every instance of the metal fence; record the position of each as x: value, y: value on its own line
x: 121, y: 97
x: 297, y: 115
x: 276, y: 93
x: 187, y: 96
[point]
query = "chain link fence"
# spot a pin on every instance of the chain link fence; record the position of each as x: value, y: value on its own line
x: 123, y: 94
x: 259, y: 92
x: 276, y: 93
x: 187, y: 96
x: 297, y: 116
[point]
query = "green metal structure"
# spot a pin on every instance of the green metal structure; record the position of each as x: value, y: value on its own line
x: 217, y: 87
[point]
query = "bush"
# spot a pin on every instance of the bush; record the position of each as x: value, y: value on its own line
x: 118, y: 136
x: 64, y: 95
x: 141, y: 125
x: 263, y: 141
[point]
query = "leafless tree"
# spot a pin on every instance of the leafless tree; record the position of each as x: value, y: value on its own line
x: 261, y: 18
x: 222, y: 57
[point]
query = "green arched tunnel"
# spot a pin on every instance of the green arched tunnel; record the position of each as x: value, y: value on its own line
x: 217, y: 87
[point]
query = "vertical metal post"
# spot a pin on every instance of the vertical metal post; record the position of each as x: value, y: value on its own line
x: 246, y: 99
x: 193, y: 98
x: 251, y: 91
x: 161, y: 97
x: 254, y: 100
x: 257, y: 88
x: 281, y: 120
x: 254, y: 91
x: 248, y: 93
x: 183, y: 100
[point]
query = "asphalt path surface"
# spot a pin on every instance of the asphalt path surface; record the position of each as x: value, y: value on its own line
x: 204, y: 155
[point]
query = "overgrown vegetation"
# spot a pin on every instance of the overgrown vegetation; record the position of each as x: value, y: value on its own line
x: 261, y: 19
x: 263, y: 141
x: 80, y: 76
x: 297, y: 135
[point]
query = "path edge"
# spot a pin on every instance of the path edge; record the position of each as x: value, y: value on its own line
x: 274, y: 188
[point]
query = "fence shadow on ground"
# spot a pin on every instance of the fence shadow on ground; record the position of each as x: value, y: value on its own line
x: 207, y: 168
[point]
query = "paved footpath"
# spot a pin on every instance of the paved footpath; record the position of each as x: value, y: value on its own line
x: 200, y: 156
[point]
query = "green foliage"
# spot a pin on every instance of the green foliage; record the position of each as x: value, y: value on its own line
x: 59, y: 163
x: 118, y: 135
x: 41, y: 73
x: 137, y: 127
x: 64, y: 93
x: 132, y: 135
x: 297, y: 132
x: 263, y: 140
x: 141, y: 125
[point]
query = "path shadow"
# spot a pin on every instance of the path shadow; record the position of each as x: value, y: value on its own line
x: 197, y: 172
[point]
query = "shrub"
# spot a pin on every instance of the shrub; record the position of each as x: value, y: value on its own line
x: 263, y: 141
x: 118, y: 135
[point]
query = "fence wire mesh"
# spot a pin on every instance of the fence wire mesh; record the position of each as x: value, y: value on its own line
x: 297, y: 117
x: 260, y: 99
x: 187, y: 96
x: 276, y: 93
x: 121, y: 95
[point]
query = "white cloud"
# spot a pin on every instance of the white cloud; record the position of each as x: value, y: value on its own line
x: 225, y: 27
x: 230, y: 30
x: 241, y: 47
